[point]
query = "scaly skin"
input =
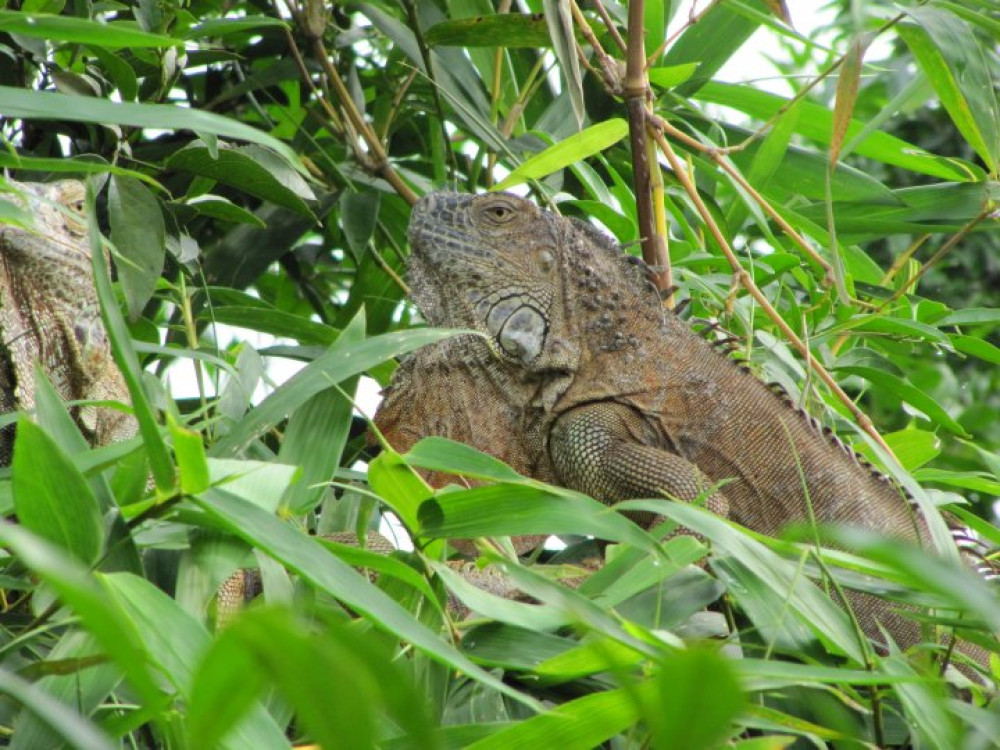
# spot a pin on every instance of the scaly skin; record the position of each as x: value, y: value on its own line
x: 591, y: 383
x: 50, y: 316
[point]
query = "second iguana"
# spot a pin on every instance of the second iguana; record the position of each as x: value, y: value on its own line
x: 583, y: 379
x: 50, y: 317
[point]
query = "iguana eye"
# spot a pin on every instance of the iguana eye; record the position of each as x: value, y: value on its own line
x: 498, y: 213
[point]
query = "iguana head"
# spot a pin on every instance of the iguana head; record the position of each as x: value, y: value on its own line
x: 52, y: 236
x: 487, y: 262
x: 544, y: 288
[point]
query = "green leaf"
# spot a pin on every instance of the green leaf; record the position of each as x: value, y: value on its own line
x: 697, y: 700
x: 586, y: 143
x: 716, y: 37
x: 46, y: 105
x: 252, y: 169
x: 317, y: 433
x: 323, y: 570
x: 52, y: 498
x: 218, y: 207
x: 966, y: 480
x: 913, y: 447
x: 221, y: 27
x: 98, y: 612
x: 971, y: 316
x: 266, y: 319
x: 398, y: 485
x: 924, y: 704
x: 504, y: 510
x: 124, y: 354
x: 84, y: 690
x: 440, y: 454
x: 77, y: 165
x: 175, y: 642
x: 139, y: 235
x: 74, y: 730
x: 674, y: 75
x: 908, y: 393
x: 340, y: 362
x: 976, y: 347
x: 815, y: 121
x: 190, y: 453
x: 507, y: 30
x: 951, y: 57
x: 760, y: 578
x: 112, y: 35
x: 582, y: 723
x: 359, y: 214
x: 956, y: 584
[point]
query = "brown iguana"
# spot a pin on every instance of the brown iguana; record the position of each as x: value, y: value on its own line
x: 585, y: 380
x: 50, y: 316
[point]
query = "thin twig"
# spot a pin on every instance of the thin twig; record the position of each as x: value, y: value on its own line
x: 652, y: 233
x: 717, y: 155
x: 425, y: 55
x: 376, y: 160
x: 609, y: 24
x: 938, y: 255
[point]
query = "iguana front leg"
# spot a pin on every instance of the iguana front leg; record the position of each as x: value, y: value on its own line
x: 604, y: 450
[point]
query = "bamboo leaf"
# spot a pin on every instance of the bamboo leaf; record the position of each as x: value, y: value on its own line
x: 113, y: 35
x: 847, y: 95
x: 47, y: 105
x: 577, y: 147
x: 559, y: 19
x: 140, y: 237
x: 52, y: 498
x: 950, y: 55
x: 124, y: 355
x: 326, y: 572
x: 508, y: 30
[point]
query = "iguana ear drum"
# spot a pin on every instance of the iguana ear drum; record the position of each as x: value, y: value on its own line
x: 523, y: 334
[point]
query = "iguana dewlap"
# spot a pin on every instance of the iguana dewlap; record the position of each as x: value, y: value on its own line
x: 584, y: 379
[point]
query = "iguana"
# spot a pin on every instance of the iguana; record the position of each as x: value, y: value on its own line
x: 583, y: 378
x: 50, y: 316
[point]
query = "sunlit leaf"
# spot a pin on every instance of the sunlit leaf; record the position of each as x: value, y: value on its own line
x: 587, y: 142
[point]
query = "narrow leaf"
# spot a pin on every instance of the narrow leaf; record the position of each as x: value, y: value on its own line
x: 52, y: 498
x: 847, y: 95
x: 507, y: 30
x: 908, y: 393
x: 46, y: 105
x: 139, y: 235
x: 76, y: 731
x: 124, y: 354
x: 340, y: 362
x: 326, y: 572
x: 951, y: 57
x: 559, y: 19
x: 577, y: 147
x: 114, y: 35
